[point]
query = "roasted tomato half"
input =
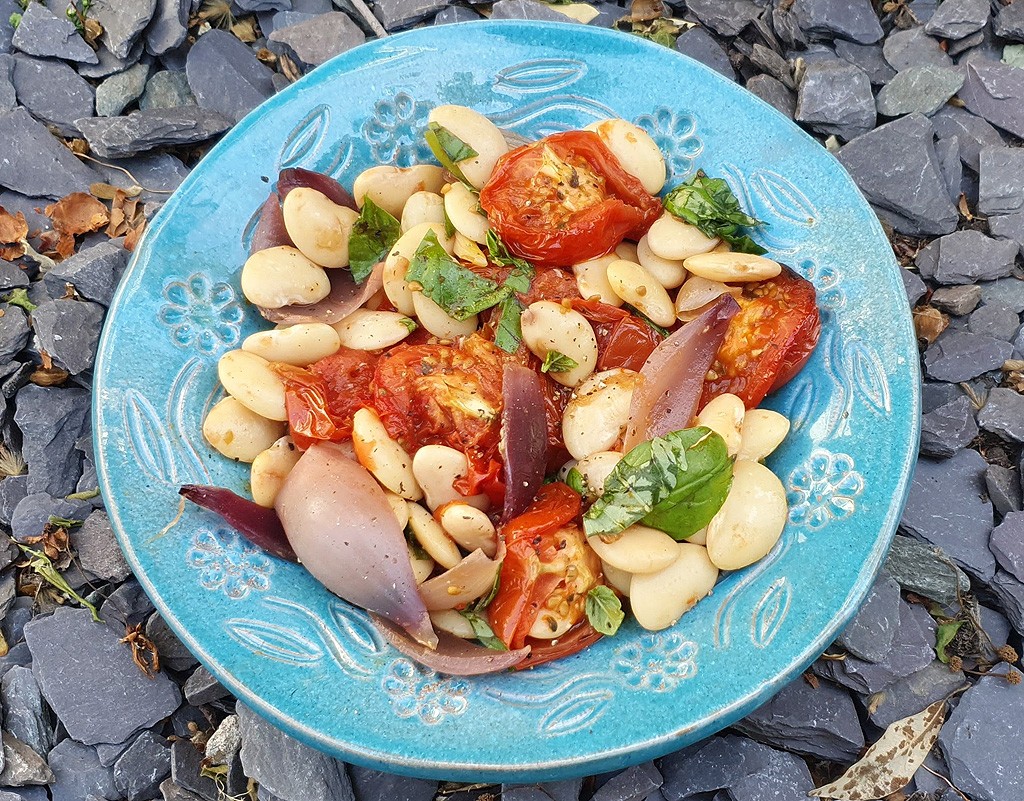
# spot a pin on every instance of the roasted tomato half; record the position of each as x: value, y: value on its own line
x: 623, y: 339
x: 565, y: 199
x: 768, y: 341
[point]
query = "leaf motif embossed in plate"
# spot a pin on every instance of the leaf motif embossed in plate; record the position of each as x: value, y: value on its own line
x: 770, y: 612
x: 575, y: 712
x: 868, y: 375
x: 306, y: 138
x: 148, y: 437
x: 274, y: 641
x: 540, y: 75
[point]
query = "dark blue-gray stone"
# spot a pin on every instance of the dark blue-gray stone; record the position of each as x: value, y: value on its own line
x: 948, y: 428
x: 819, y: 722
x: 913, y: 48
x: 724, y: 17
x: 173, y: 654
x: 633, y: 784
x: 773, y: 92
x: 1009, y: 23
x: 1009, y: 226
x: 855, y: 20
x: 51, y: 420
x: 169, y: 791
x: 452, y: 14
x: 526, y: 9
x: 947, y: 151
x: 123, y: 21
x: 972, y: 131
x: 53, y: 92
x: 282, y: 19
x: 869, y: 635
x: 12, y: 276
x: 12, y: 490
x: 22, y: 765
x: 13, y: 624
x: 202, y: 688
x: 140, y: 769
x: 97, y: 549
x: 127, y: 605
x: 141, y: 131
x: 120, y: 90
x: 701, y: 46
x: 957, y: 356
x: 225, y: 76
x: 160, y: 173
x: 169, y: 26
x: 1008, y: 544
x: 14, y: 332
x: 897, y: 169
x: 947, y: 507
x: 96, y: 690
x: 167, y: 89
x: 109, y: 63
x: 958, y: 47
x: 922, y: 89
x: 69, y: 331
x: 996, y: 93
x: 912, y: 693
x: 33, y: 511
x: 995, y: 624
x: 955, y: 19
x: 982, y: 766
x: 966, y: 257
x: 397, y: 14
x: 7, y: 8
x: 927, y: 259
x: 309, y: 44
x: 1009, y: 592
x: 835, y: 98
x: 94, y: 272
x: 37, y: 221
x: 1003, y: 414
x: 869, y: 58
x: 1004, y: 490
x: 1001, y: 185
x: 43, y: 33
x: 24, y: 715
x: 264, y: 5
x: 994, y: 320
x: 772, y: 64
x: 1008, y: 291
x: 44, y: 167
x: 78, y: 773
x: 287, y: 768
x: 8, y: 95
x: 528, y: 792
x: 913, y: 286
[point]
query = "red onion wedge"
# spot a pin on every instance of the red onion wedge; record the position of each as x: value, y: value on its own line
x: 524, y: 437
x: 342, y: 527
x: 294, y: 177
x: 674, y: 374
x: 346, y: 296
x: 453, y: 655
x: 270, y: 231
x: 258, y: 524
x: 470, y: 579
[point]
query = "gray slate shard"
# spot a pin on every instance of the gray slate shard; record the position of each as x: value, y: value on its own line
x: 912, y: 693
x: 78, y: 773
x: 565, y: 790
x: 948, y: 429
x: 773, y: 92
x: 225, y: 76
x: 96, y: 690
x: 167, y: 89
x: 996, y: 92
x: 69, y: 331
x: 528, y: 792
x: 168, y: 28
x: 282, y: 19
x: 263, y: 5
x: 724, y: 17
x: 955, y: 48
x: 1008, y: 291
x: 123, y: 21
x: 913, y: 48
x: 7, y: 7
x: 1009, y: 23
x: 14, y: 333
x: 947, y: 151
x: 34, y: 510
x: 397, y: 14
x: 12, y: 276
x: 173, y: 654
x: 287, y: 768
x: 966, y: 257
x: 983, y: 767
x: 955, y: 19
x: 701, y: 46
x: 202, y: 688
x: 835, y: 97
x: 97, y: 549
x: 128, y: 604
x: 452, y: 14
x: 775, y: 65
x: 120, y: 90
x: 1004, y: 490
x: 995, y: 624
x: 94, y: 272
x: 1008, y: 226
x: 956, y: 300
x: 1008, y: 544
x: 43, y: 33
x: 633, y: 784
x: 17, y: 616
x: 109, y: 63
x: 896, y: 168
x: 8, y: 96
x: 169, y: 791
x: 919, y: 89
x: 141, y: 131
x: 526, y: 9
x: 44, y: 167
x: 160, y: 172
x: 53, y: 92
x: 819, y: 722
x: 958, y: 356
x: 1001, y: 175
x: 1009, y: 592
x: 225, y: 742
x: 995, y: 320
x: 22, y: 765
x: 374, y: 785
x: 869, y: 58
x: 842, y: 19
x: 313, y: 42
x: 1003, y: 414
x: 869, y: 635
x: 927, y: 259
x: 24, y: 716
x: 140, y: 769
x: 947, y: 507
x: 52, y: 419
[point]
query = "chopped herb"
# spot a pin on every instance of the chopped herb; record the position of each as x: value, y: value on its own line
x: 456, y: 289
x: 449, y: 149
x: 637, y: 313
x: 710, y: 205
x: 484, y: 601
x: 555, y: 362
x: 62, y: 522
x: 409, y: 324
x: 522, y: 273
x: 373, y: 235
x: 19, y: 297
x: 663, y: 31
x: 484, y: 633
x: 944, y: 635
x: 604, y: 610
x: 576, y: 482
x: 414, y: 546
x: 449, y: 226
x: 674, y: 483
x: 509, y: 331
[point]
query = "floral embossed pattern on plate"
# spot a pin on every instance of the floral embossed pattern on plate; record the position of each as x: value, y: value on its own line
x: 312, y: 663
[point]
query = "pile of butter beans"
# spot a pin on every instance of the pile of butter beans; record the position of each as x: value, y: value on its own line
x: 672, y: 274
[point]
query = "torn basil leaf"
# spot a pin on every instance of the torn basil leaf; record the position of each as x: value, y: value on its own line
x: 522, y: 271
x: 449, y: 150
x: 710, y: 205
x: 456, y: 289
x: 509, y: 331
x: 373, y: 235
x: 604, y: 610
x: 674, y: 483
x: 555, y: 362
x: 576, y: 482
x: 484, y: 633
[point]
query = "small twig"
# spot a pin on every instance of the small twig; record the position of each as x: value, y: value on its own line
x: 369, y: 18
x: 952, y: 786
x: 172, y: 524
x: 122, y: 169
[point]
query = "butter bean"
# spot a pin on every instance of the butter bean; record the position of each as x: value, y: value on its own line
x: 595, y: 470
x: 397, y: 264
x: 671, y: 238
x: 549, y: 326
x: 733, y: 267
x: 626, y: 250
x: 398, y: 506
x: 637, y: 287
x: 319, y: 228
x: 269, y: 470
x: 670, y: 273
x: 432, y: 538
x: 437, y: 321
x: 592, y: 279
x: 373, y: 330
x: 391, y: 187
x: 454, y: 623
x: 763, y: 431
x: 638, y: 154
x: 421, y: 567
x: 420, y: 208
x: 470, y: 528
x: 751, y: 520
x: 618, y: 579
x: 282, y: 276
x: 638, y: 549
x: 248, y: 378
x: 388, y: 461
x: 659, y: 599
x: 724, y: 415
x: 477, y: 132
x: 436, y: 468
x: 299, y: 345
x: 237, y: 432
x: 696, y: 294
x: 596, y: 415
x: 463, y: 209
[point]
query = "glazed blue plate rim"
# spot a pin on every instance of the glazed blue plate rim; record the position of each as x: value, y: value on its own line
x: 555, y: 767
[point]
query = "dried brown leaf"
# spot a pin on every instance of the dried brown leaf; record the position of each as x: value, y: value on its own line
x: 646, y: 10
x: 78, y: 213
x: 889, y: 764
x: 929, y: 322
x: 93, y: 30
x: 144, y: 652
x: 109, y: 192
x: 13, y: 227
x: 12, y: 252
x: 132, y: 238
x: 964, y: 209
x: 245, y: 30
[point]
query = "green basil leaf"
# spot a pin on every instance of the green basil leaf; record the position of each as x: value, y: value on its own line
x: 456, y: 289
x: 644, y: 318
x: 604, y: 610
x: 484, y: 633
x: 710, y: 205
x: 944, y: 635
x: 555, y: 362
x: 409, y: 323
x: 674, y: 483
x: 576, y: 482
x: 449, y: 150
x: 373, y: 235
x: 509, y: 331
x: 522, y: 271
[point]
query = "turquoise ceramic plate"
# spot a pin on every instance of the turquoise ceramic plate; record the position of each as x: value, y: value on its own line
x: 311, y: 663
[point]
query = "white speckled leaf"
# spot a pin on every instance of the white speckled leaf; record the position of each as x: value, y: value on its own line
x: 892, y: 761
